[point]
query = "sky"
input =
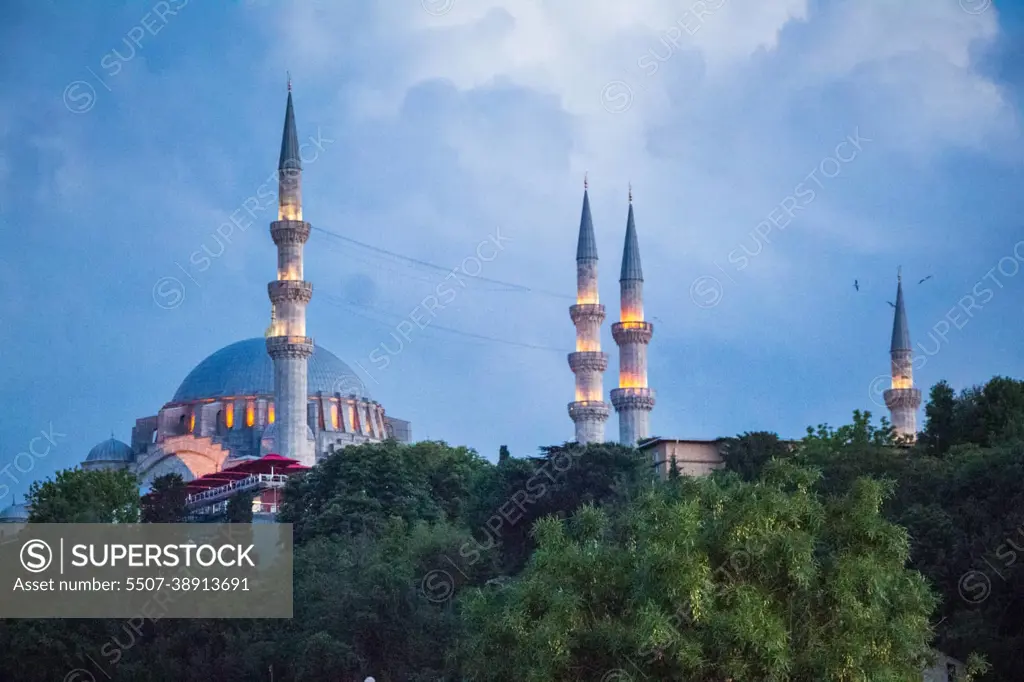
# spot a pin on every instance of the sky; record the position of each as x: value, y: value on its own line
x: 778, y: 151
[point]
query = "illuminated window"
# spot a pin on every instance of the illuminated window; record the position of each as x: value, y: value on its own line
x: 250, y: 413
x: 353, y: 417
x: 270, y: 412
x: 192, y: 422
x: 229, y: 415
x: 334, y: 415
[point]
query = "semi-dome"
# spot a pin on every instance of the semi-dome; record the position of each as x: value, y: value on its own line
x: 245, y: 368
x: 111, y: 450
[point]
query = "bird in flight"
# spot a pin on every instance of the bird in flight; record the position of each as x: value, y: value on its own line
x: 891, y: 303
x: 922, y: 281
x: 856, y: 284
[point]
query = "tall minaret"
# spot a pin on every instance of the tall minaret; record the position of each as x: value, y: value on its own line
x: 903, y: 400
x: 287, y: 343
x: 588, y: 363
x: 633, y: 399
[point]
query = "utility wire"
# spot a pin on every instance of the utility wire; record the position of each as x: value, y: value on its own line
x: 333, y: 300
x: 440, y: 268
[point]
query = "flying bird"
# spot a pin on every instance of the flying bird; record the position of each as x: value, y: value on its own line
x: 925, y: 279
x: 856, y: 284
x: 891, y: 303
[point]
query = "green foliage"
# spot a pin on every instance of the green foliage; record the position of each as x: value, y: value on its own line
x: 964, y: 513
x: 361, y: 490
x: 426, y: 563
x: 166, y: 503
x: 85, y: 496
x: 720, y: 579
x: 510, y: 497
x: 239, y: 508
x: 987, y: 416
x: 748, y: 453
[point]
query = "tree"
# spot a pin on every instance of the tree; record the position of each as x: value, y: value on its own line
x: 166, y: 501
x: 85, y: 496
x: 940, y: 419
x: 748, y: 453
x: 362, y: 488
x: 673, y: 470
x: 717, y: 579
x: 509, y: 498
x: 239, y: 508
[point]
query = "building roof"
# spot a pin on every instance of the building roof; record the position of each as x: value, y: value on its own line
x: 631, y: 269
x: 586, y: 248
x: 289, y: 140
x: 245, y: 369
x: 111, y: 450
x: 900, y: 328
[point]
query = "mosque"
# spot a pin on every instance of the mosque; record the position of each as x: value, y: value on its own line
x: 260, y: 396
x: 260, y: 409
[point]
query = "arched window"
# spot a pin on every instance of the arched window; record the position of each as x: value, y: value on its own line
x: 181, y: 424
x: 220, y: 423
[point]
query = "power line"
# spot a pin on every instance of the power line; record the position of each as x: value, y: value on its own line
x: 333, y: 300
x: 440, y: 268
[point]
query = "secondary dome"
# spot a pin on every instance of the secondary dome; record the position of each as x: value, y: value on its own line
x: 245, y: 368
x: 16, y: 513
x: 111, y: 450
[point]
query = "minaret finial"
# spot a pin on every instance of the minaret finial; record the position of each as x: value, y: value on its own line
x: 585, y: 174
x: 899, y: 274
x: 631, y: 192
x: 289, y: 73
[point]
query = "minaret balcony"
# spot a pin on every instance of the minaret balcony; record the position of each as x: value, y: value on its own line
x: 590, y: 312
x: 588, y: 361
x: 289, y: 346
x: 632, y: 332
x: 290, y: 290
x: 632, y: 399
x: 589, y: 410
x: 902, y: 398
x: 289, y: 231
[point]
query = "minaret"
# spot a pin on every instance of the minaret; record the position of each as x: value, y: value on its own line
x: 287, y: 343
x: 903, y: 400
x: 633, y: 399
x: 589, y: 411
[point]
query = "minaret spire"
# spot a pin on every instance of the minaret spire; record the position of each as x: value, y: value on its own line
x: 903, y: 400
x: 633, y: 399
x: 588, y: 411
x: 287, y: 343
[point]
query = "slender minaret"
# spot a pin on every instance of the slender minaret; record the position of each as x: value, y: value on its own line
x: 589, y: 411
x: 633, y: 399
x: 287, y: 343
x: 903, y: 400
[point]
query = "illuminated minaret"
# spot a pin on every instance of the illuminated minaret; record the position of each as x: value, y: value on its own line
x: 633, y: 399
x: 903, y: 400
x: 287, y: 343
x: 589, y: 411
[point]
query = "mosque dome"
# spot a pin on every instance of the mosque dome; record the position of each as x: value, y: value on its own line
x: 16, y: 513
x: 111, y: 450
x: 245, y: 369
